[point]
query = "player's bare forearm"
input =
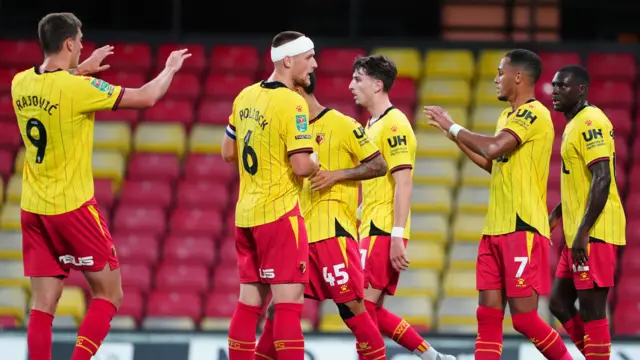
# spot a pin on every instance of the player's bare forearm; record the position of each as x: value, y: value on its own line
x: 598, y: 195
x: 157, y: 87
x: 476, y: 158
x: 229, y: 149
x: 373, y: 168
x: 402, y: 197
x: 556, y: 213
x: 489, y: 147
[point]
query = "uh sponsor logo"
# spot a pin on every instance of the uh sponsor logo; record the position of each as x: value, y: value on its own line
x: 76, y: 261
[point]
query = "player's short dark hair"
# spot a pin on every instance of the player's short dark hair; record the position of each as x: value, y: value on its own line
x: 54, y: 29
x: 312, y: 85
x: 285, y: 37
x: 378, y: 67
x: 579, y: 73
x: 528, y: 60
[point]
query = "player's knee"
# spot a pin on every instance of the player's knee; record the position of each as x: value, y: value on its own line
x: 46, y: 302
x: 271, y: 311
x: 345, y: 312
x: 558, y: 306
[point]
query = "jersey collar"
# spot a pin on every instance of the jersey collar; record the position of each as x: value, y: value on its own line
x: 373, y: 121
x: 321, y: 114
x: 37, y: 70
x: 526, y: 102
x: 271, y: 84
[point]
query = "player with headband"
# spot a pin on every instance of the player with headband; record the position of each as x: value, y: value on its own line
x: 269, y: 129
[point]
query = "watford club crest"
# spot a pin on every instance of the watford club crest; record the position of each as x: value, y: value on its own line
x: 320, y: 138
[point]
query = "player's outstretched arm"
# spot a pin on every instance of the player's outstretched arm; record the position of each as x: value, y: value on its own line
x: 401, y: 209
x: 555, y: 216
x: 372, y: 168
x: 154, y: 90
x: 304, y: 164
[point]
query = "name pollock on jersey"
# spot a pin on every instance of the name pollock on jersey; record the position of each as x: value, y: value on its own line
x: 253, y: 114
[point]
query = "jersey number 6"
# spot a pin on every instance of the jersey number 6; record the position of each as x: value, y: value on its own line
x: 40, y: 140
x: 249, y: 153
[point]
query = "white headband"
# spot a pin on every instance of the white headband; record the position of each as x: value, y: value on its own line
x: 292, y: 48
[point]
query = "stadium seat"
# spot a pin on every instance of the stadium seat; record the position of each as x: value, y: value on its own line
x: 6, y: 77
x: 137, y: 248
x: 226, y: 279
x: 159, y: 167
x: 203, y: 195
x: 6, y: 163
x: 626, y: 317
x: 554, y: 60
x: 188, y: 221
x: 146, y: 194
x: 206, y: 138
x: 426, y: 255
x: 458, y: 64
x: 7, y: 113
x: 185, y: 86
x: 337, y: 61
x: 403, y: 91
x: 128, y: 116
x: 459, y: 114
x: 182, y: 277
x: 611, y: 67
x: 72, y: 303
x: 458, y: 314
x: 140, y: 220
x: 218, y: 310
x: 13, y: 302
x: 431, y: 198
x: 488, y: 62
x: 444, y: 92
x: 174, y: 310
x: 196, y: 63
x: 126, y: 79
x: 435, y: 172
x: 330, y: 320
x: 485, y: 118
x: 472, y: 175
x: 135, y: 276
x: 12, y: 273
x: 10, y: 137
x: 460, y: 283
x: 226, y: 86
x: 472, y: 199
x: 108, y: 165
x: 435, y: 145
x: 160, y: 138
x: 333, y: 88
x: 621, y: 121
x: 418, y: 312
x: 407, y: 60
x: 171, y: 111
x: 611, y: 94
x: 468, y: 227
x: 215, y: 112
x: 132, y: 305
x: 10, y: 217
x: 11, y: 245
x: 485, y: 93
x: 419, y: 283
x: 209, y: 167
x: 193, y: 250
x: 13, y: 193
x: 227, y: 255
x: 432, y: 227
x: 242, y: 59
x: 462, y: 256
x: 104, y: 193
x: 131, y: 57
x: 112, y: 136
x: 24, y: 53
x: 346, y: 107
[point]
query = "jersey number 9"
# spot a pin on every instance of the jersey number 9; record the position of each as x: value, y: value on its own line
x: 40, y: 142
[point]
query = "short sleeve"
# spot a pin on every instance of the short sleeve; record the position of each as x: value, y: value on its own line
x: 358, y: 143
x: 521, y: 125
x: 295, y: 125
x: 91, y: 94
x: 396, y: 147
x: 594, y: 141
x: 231, y: 127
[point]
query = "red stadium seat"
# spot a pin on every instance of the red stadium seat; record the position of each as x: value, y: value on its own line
x: 553, y: 61
x: 20, y: 53
x: 611, y: 94
x: 633, y: 229
x: 226, y: 86
x: 622, y: 151
x: 338, y: 61
x: 267, y: 65
x: 180, y: 249
x: 182, y: 277
x: 203, y: 195
x: 220, y: 304
x: 333, y: 88
x: 174, y: 304
x: 621, y: 120
x: 126, y: 79
x: 184, y: 86
x: 137, y: 248
x: 88, y: 48
x: 121, y: 115
x: 631, y: 262
x: 226, y: 279
x: 626, y: 316
x: 611, y: 67
x: 348, y: 108
x: 215, y: 112
x: 7, y: 114
x: 171, y: 111
x: 103, y: 192
x: 160, y: 167
x: 403, y: 91
x: 310, y: 311
x: 135, y: 276
x: 543, y: 90
x: 209, y: 167
x: 146, y: 193
x: 406, y: 108
x: 559, y: 122
x: 10, y: 137
x: 226, y: 59
x: 131, y: 56
x: 140, y: 220
x: 188, y: 221
x: 227, y: 254
x: 132, y: 304
x: 196, y: 63
x: 6, y: 77
x: 8, y: 322
x: 7, y: 158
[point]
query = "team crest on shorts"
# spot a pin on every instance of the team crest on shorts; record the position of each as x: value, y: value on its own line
x: 302, y: 124
x: 320, y: 138
x: 303, y: 266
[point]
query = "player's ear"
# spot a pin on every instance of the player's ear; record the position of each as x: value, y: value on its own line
x: 518, y: 77
x: 287, y: 61
x: 582, y: 89
x: 379, y: 85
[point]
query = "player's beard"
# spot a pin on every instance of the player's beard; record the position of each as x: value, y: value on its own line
x: 302, y: 82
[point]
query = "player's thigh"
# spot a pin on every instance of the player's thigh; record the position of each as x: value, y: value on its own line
x: 247, y: 256
x: 340, y: 265
x: 378, y: 272
x: 489, y: 274
x: 315, y: 289
x: 106, y: 284
x: 40, y: 248
x: 88, y: 242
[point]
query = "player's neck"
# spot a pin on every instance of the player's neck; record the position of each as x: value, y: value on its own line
x: 379, y: 106
x: 569, y: 115
x: 315, y: 108
x: 55, y: 62
x: 522, y: 98
x: 276, y: 76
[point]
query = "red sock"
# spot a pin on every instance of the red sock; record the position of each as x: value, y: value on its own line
x: 242, y: 331
x: 398, y: 330
x: 372, y: 309
x: 597, y: 340
x: 370, y: 344
x: 575, y: 329
x: 265, y: 348
x: 93, y: 329
x: 39, y: 335
x: 489, y: 340
x: 287, y: 332
x: 543, y: 336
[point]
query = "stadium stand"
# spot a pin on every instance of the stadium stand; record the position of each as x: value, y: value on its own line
x: 169, y: 198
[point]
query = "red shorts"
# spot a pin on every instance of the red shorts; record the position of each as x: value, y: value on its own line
x: 517, y: 262
x: 378, y: 272
x: 599, y: 270
x: 274, y: 253
x: 54, y: 244
x: 335, y: 270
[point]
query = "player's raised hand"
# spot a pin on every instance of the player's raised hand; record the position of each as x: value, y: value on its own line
x: 438, y: 117
x: 398, y: 254
x: 93, y: 64
x: 176, y: 58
